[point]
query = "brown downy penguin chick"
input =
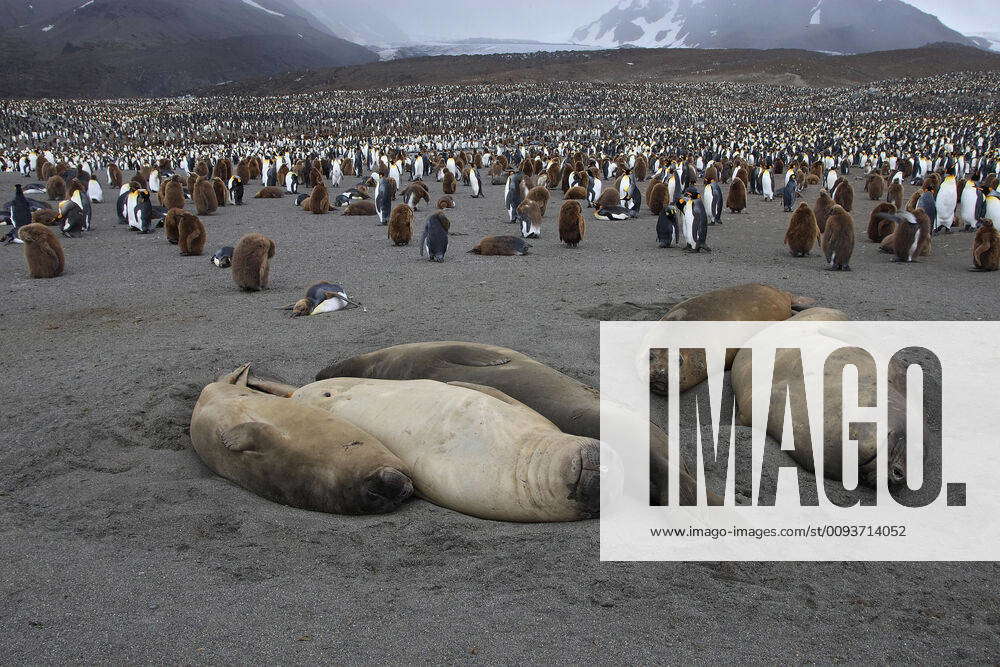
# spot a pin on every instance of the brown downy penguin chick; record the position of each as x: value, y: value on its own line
x: 843, y: 194
x: 221, y: 191
x: 445, y: 203
x: 318, y: 201
x: 838, y: 239
x: 450, y: 183
x: 45, y: 216
x: 243, y: 170
x: 878, y: 227
x: 270, y: 192
x: 652, y: 184
x: 115, y: 175
x: 552, y: 176
x: 609, y: 198
x: 640, y: 169
x: 914, y: 198
x: 191, y: 235
x: 170, y: 224
x: 530, y: 216
x: 911, y: 236
x: 251, y: 262
x: 401, y: 225
x: 571, y: 224
x: 657, y: 199
x: 876, y: 187
x: 502, y: 246
x: 736, y: 199
x: 55, y: 188
x: 986, y: 247
x: 894, y: 195
x: 42, y: 251
x: 803, y: 232
x: 360, y: 207
x: 824, y: 204
x: 172, y: 193
x: 539, y: 195
x: 205, y: 202
x: 576, y: 192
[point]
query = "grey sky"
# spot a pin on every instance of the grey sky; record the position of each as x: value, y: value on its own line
x: 555, y: 20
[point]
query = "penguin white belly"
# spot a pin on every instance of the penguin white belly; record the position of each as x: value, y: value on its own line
x: 330, y: 305
x: 94, y: 191
x: 831, y: 178
x: 766, y: 186
x: 687, y: 226
x: 968, y: 206
x: 992, y: 208
x: 709, y: 199
x: 946, y: 201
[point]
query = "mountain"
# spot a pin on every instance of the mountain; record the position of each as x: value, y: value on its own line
x: 835, y: 26
x: 362, y: 23
x: 777, y: 66
x: 114, y: 48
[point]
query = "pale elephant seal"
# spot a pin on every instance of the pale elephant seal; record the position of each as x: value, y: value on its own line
x: 571, y: 405
x: 471, y: 451
x: 744, y: 303
x: 294, y: 454
x: 786, y: 367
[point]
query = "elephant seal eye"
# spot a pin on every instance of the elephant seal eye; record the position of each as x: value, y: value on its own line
x: 326, y: 394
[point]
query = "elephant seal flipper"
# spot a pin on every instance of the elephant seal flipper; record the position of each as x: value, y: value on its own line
x: 476, y: 356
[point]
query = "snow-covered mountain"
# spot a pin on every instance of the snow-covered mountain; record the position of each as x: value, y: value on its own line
x: 358, y: 22
x: 837, y: 26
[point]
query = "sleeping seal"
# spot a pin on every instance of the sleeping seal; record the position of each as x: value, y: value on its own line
x: 787, y: 366
x: 571, y: 405
x: 471, y: 451
x: 292, y: 453
x: 744, y: 303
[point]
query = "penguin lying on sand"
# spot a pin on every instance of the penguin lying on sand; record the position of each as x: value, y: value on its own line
x: 321, y: 298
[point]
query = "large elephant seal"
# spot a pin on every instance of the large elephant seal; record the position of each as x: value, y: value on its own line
x: 744, y: 303
x: 471, y: 451
x: 294, y: 454
x: 571, y: 405
x: 787, y: 366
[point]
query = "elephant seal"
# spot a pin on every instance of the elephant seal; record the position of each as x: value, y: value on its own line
x: 752, y: 302
x: 571, y: 405
x: 294, y: 454
x: 471, y: 451
x: 786, y: 364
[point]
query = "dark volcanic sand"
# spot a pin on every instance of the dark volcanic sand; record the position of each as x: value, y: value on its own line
x: 119, y: 544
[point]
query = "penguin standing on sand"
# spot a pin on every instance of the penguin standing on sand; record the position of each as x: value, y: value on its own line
x: 788, y: 194
x: 475, y: 183
x: 383, y: 200
x: 515, y: 194
x: 766, y: 185
x: 236, y: 191
x: 94, y: 191
x: 972, y: 205
x: 594, y: 189
x: 694, y: 222
x: 434, y: 242
x: 20, y: 214
x: 292, y: 183
x: 713, y: 202
x: 668, y: 228
x: 74, y: 220
x: 947, y: 200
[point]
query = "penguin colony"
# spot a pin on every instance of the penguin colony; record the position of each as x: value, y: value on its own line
x: 677, y: 171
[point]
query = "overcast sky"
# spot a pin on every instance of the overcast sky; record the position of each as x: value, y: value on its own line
x: 555, y: 20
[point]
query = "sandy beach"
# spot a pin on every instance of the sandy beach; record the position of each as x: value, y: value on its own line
x: 118, y: 541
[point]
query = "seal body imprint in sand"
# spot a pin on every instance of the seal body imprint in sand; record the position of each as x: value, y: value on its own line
x: 476, y: 452
x: 294, y: 454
